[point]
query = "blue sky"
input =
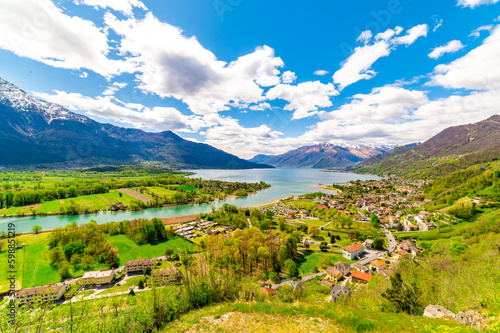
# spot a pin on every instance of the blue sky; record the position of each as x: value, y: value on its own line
x: 256, y: 76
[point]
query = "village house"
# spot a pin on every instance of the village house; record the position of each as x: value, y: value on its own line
x: 164, y: 275
x: 352, y: 252
x: 333, y: 275
x: 339, y: 292
x: 369, y: 243
x: 44, y: 293
x: 98, y: 277
x: 343, y: 267
x: 267, y: 291
x: 377, y: 265
x: 361, y: 268
x: 357, y: 276
x: 140, y: 265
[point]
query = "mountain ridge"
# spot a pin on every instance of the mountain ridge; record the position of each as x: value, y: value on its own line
x: 36, y: 132
x: 323, y: 155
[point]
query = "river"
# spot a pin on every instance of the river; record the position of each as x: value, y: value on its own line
x: 284, y: 182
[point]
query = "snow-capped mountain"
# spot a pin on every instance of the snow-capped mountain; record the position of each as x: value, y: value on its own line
x: 323, y: 155
x: 33, y: 131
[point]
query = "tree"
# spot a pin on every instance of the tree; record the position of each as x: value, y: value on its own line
x: 323, y: 246
x: 313, y: 230
x: 36, y: 228
x: 141, y: 284
x: 64, y: 270
x: 147, y: 271
x: 374, y: 220
x: 403, y: 297
x: 378, y: 243
x: 332, y: 239
x: 131, y: 293
x: 291, y: 268
x: 281, y: 224
x: 169, y: 252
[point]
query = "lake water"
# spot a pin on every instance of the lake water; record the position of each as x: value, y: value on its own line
x: 284, y: 182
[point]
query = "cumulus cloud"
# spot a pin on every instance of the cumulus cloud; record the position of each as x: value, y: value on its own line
x: 261, y: 106
x: 171, y: 64
x: 479, y: 69
x: 475, y: 3
x: 124, y: 6
x: 451, y: 47
x: 358, y: 65
x: 320, y: 72
x: 304, y: 98
x: 288, y: 77
x: 399, y: 117
x: 365, y: 36
x: 38, y: 30
x: 109, y: 107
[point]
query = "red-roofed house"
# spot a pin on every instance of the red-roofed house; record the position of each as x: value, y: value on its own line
x: 268, y: 291
x: 351, y: 252
x: 360, y: 276
x: 322, y: 207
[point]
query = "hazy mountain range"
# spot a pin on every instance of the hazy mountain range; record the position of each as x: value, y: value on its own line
x: 323, y: 155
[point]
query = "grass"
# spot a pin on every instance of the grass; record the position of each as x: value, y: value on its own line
x: 275, y: 316
x: 161, y: 192
x: 129, y: 250
x: 93, y: 202
x: 312, y: 259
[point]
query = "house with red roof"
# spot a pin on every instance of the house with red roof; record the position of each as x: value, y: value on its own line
x: 322, y: 207
x: 357, y: 276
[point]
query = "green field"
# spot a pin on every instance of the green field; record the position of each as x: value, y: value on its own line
x: 129, y: 250
x: 313, y: 259
x: 93, y: 202
x: 133, y: 281
x: 161, y: 192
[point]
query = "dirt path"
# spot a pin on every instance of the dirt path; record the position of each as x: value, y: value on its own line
x: 179, y: 219
x: 135, y: 194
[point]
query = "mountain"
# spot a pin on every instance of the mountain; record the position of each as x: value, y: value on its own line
x: 33, y: 132
x: 454, y: 148
x: 323, y: 155
x: 385, y: 156
x: 261, y: 158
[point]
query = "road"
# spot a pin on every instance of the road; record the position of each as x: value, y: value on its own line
x: 293, y: 282
x: 391, y: 239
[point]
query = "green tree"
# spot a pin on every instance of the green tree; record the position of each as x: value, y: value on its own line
x: 36, y: 228
x: 313, y: 230
x: 141, y: 284
x: 291, y: 268
x: 403, y: 297
x: 281, y: 223
x: 378, y: 243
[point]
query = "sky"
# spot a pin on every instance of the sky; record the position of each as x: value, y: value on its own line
x: 261, y: 77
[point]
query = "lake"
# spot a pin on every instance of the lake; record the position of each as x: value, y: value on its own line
x: 284, y: 182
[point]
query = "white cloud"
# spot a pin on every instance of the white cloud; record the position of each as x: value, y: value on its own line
x: 439, y: 23
x: 365, y: 36
x: 475, y: 3
x: 380, y: 106
x: 400, y: 117
x: 171, y: 64
x: 84, y: 74
x: 108, y: 107
x: 124, y: 6
x: 288, y: 77
x: 304, y: 98
x: 38, y: 30
x: 451, y: 47
x: 320, y: 72
x: 261, y: 106
x: 358, y: 65
x: 413, y: 34
x: 478, y: 69
x: 477, y: 32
